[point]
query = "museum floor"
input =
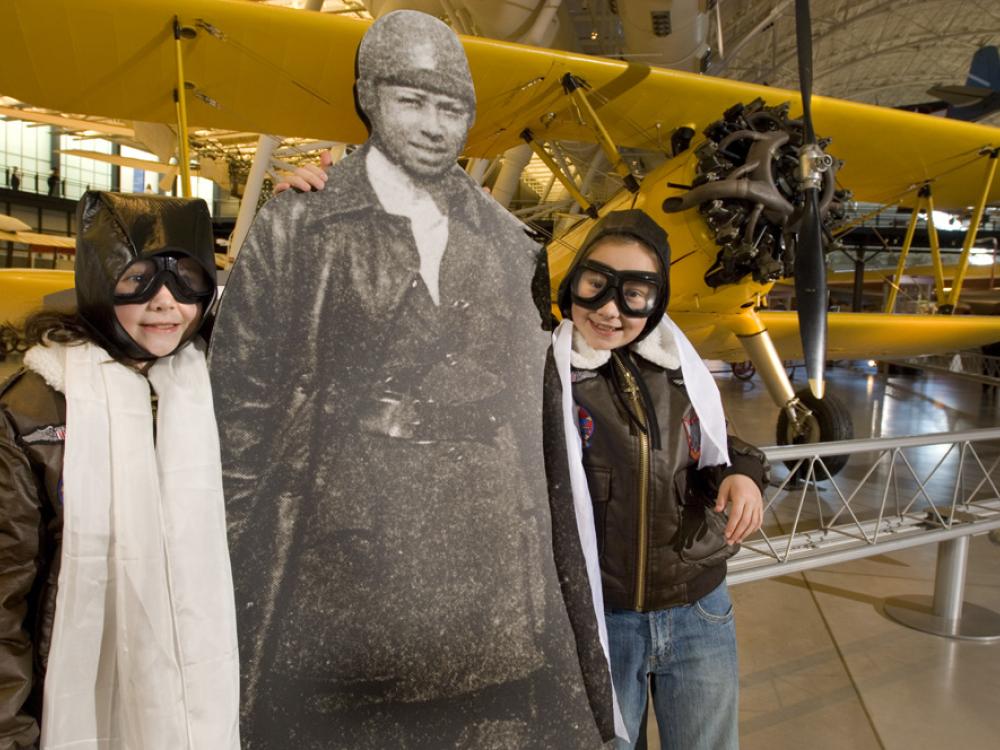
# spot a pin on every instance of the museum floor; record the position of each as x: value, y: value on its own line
x: 821, y: 666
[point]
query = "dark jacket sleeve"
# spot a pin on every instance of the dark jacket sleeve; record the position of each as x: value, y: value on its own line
x: 748, y: 460
x: 20, y: 521
x: 569, y: 559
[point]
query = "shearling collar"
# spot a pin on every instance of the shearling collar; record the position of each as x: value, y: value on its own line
x: 659, y: 347
x: 49, y: 361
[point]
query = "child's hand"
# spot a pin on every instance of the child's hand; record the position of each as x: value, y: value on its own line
x: 746, y: 512
x: 308, y: 176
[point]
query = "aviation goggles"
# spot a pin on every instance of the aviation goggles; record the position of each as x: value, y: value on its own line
x: 636, y: 293
x: 183, y: 276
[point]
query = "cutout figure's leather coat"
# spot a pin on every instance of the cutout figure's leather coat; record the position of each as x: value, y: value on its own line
x: 391, y: 537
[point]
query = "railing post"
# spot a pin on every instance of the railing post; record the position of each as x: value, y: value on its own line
x: 946, y: 613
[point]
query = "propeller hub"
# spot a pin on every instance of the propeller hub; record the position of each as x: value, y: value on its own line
x: 813, y: 162
x: 749, y: 187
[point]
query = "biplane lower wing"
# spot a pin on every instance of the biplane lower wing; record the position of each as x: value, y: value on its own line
x: 849, y: 335
x: 24, y: 289
x: 36, y: 239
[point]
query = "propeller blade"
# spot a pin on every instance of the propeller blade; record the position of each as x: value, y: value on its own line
x: 803, y: 44
x: 810, y: 266
x: 810, y: 292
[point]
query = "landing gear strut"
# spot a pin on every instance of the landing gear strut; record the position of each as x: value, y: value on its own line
x: 803, y: 418
x: 807, y: 419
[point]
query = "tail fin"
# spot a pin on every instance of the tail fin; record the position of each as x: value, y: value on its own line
x: 985, y: 68
x: 980, y: 96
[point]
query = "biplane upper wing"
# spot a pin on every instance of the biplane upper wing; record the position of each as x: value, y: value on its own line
x: 277, y: 70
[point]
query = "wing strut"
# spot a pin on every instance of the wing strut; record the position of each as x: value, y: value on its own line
x: 925, y: 203
x: 589, y: 208
x: 911, y: 229
x: 970, y: 235
x: 935, y: 243
x: 575, y: 87
x: 180, y: 96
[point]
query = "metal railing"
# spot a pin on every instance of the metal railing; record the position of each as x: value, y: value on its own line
x: 970, y: 365
x: 894, y: 493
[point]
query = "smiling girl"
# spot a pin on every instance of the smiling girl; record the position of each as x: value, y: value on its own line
x: 661, y: 474
x: 117, y: 623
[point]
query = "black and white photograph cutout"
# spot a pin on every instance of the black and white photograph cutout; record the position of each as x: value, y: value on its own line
x: 396, y: 524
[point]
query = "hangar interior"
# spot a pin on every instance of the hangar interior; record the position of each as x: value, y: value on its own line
x: 822, y: 665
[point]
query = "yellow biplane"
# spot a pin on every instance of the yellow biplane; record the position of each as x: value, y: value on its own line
x: 21, y: 289
x: 244, y: 66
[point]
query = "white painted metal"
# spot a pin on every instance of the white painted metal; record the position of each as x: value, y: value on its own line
x: 514, y: 162
x: 251, y: 192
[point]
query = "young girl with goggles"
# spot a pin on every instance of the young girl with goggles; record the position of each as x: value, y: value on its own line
x: 647, y: 428
x: 118, y: 608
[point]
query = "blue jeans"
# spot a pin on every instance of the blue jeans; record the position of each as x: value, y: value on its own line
x: 688, y: 654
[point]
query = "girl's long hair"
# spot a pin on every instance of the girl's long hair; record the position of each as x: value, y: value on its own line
x: 41, y: 327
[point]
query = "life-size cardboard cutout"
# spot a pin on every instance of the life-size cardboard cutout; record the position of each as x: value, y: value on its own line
x: 378, y: 366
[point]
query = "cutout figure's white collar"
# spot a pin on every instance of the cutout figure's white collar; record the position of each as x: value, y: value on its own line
x: 395, y: 190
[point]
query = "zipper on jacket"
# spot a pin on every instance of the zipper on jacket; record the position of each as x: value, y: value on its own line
x: 642, y: 551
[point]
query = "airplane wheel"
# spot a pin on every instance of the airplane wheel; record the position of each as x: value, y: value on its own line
x: 743, y: 370
x: 830, y: 421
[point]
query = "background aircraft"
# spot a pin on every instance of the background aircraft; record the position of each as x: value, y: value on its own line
x: 121, y: 59
x: 977, y: 99
x: 21, y: 289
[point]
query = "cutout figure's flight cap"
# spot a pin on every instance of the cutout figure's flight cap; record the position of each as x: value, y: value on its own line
x: 409, y: 48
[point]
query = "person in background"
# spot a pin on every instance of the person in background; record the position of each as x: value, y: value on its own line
x: 15, y: 179
x: 54, y: 182
x: 117, y: 624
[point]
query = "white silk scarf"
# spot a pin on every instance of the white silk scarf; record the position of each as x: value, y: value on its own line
x: 562, y: 344
x: 143, y: 653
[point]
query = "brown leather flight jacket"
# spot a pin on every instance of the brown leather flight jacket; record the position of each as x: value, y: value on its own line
x: 660, y: 541
x: 32, y: 434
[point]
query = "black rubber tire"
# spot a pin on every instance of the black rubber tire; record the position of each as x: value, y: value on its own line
x: 831, y: 420
x: 743, y: 370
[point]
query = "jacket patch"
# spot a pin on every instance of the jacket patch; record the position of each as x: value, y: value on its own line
x: 49, y: 434
x: 59, y: 492
x: 692, y: 431
x: 586, y: 425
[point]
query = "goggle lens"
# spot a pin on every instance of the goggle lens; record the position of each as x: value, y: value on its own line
x: 635, y: 292
x: 142, y: 278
